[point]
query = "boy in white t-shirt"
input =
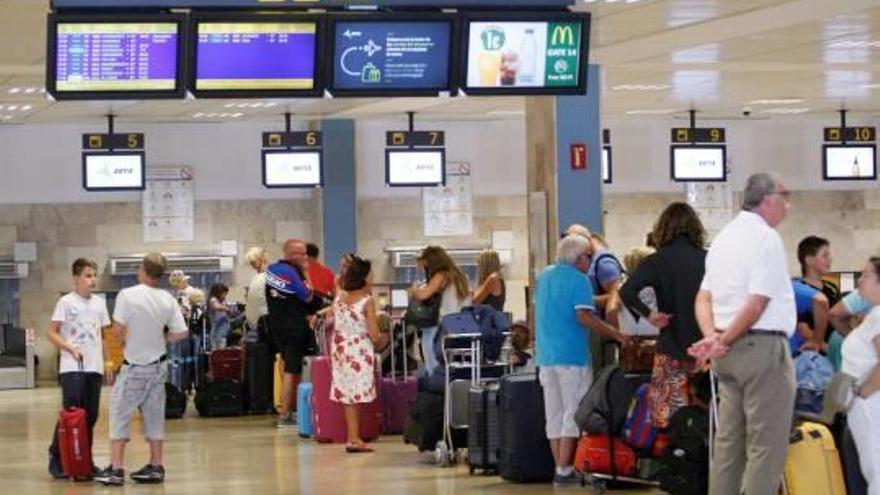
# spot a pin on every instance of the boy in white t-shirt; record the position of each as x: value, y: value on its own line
x: 76, y: 326
x: 140, y: 317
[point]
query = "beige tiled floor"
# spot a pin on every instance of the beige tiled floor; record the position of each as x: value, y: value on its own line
x: 244, y: 455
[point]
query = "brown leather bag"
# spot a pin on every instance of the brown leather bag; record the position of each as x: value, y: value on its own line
x: 638, y: 355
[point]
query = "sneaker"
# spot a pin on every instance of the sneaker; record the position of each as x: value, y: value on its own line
x: 149, y: 474
x: 571, y: 479
x: 110, y: 476
x: 55, y: 468
x: 287, y: 421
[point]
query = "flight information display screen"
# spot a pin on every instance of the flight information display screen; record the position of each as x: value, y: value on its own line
x: 116, y: 57
x: 256, y: 56
x: 699, y: 163
x: 392, y: 55
x: 108, y: 171
x: 850, y: 162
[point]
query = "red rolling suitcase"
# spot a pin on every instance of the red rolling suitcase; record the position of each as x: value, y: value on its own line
x: 74, y: 444
x: 397, y: 394
x: 328, y: 417
x: 226, y: 364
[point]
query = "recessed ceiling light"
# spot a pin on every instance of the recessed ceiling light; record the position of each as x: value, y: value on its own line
x: 198, y: 115
x: 30, y: 90
x: 664, y: 111
x: 237, y: 114
x: 777, y: 101
x: 229, y: 105
x: 854, y: 44
x: 270, y: 104
x: 640, y: 87
x: 25, y: 108
x: 784, y: 111
x: 14, y: 91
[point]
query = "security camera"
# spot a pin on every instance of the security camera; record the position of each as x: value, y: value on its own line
x: 747, y: 112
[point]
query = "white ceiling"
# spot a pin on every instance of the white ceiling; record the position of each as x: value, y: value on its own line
x: 658, y: 58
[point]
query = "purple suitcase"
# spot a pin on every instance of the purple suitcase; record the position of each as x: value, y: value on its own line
x: 397, y: 393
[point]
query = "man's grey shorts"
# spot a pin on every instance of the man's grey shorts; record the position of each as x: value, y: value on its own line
x: 139, y: 387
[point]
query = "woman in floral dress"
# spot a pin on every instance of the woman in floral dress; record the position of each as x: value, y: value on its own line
x: 353, y: 357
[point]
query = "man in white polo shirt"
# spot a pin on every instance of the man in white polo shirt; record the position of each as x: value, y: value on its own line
x: 745, y: 309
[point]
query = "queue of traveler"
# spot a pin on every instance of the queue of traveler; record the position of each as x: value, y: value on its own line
x: 282, y: 301
x: 733, y: 308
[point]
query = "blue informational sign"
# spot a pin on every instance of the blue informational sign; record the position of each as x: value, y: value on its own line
x: 394, y: 55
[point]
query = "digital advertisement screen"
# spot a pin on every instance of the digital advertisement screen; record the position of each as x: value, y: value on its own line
x: 115, y: 57
x: 518, y: 55
x: 107, y: 171
x: 291, y: 168
x: 699, y: 163
x: 606, y: 164
x: 255, y: 56
x: 392, y: 55
x: 419, y: 167
x: 850, y: 162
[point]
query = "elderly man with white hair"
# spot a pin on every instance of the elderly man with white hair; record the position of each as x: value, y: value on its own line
x: 746, y: 311
x: 563, y: 316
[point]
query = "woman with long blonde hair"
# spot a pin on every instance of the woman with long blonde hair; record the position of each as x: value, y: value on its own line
x: 491, y: 289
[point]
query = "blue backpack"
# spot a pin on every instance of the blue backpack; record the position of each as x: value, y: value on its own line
x: 483, y: 319
x: 813, y: 372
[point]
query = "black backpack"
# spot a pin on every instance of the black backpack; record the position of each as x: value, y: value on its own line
x: 603, y: 409
x: 685, y: 462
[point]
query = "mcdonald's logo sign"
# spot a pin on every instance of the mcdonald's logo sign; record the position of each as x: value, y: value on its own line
x: 563, y: 34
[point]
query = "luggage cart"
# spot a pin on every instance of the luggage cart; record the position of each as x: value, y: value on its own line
x: 457, y: 360
x: 600, y: 482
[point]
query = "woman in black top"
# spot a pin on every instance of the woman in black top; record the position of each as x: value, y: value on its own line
x: 675, y: 272
x: 491, y: 289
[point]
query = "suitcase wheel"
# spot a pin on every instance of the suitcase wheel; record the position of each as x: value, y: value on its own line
x: 443, y: 457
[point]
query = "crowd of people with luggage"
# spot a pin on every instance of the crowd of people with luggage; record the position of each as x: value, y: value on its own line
x: 644, y: 365
x: 785, y: 354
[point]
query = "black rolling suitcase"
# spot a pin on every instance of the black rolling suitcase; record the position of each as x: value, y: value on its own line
x: 175, y: 402
x: 258, y: 377
x: 219, y: 398
x: 483, y: 429
x: 524, y: 451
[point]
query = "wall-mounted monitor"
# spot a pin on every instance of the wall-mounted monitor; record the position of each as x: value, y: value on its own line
x: 698, y: 163
x: 849, y: 162
x: 115, y: 57
x: 255, y: 55
x: 607, y: 170
x: 418, y: 167
x: 292, y: 168
x: 392, y: 55
x: 113, y: 170
x: 525, y: 53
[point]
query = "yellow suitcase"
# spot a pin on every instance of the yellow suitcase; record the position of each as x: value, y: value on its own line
x: 278, y: 381
x: 813, y: 464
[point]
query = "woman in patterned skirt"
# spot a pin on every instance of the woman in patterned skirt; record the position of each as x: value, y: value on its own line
x: 356, y: 334
x: 675, y: 272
